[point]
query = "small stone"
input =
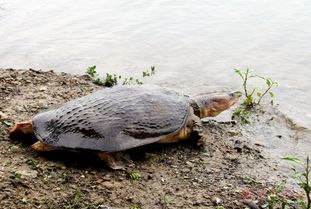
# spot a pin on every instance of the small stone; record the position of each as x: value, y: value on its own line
x: 54, y: 175
x: 104, y: 207
x: 250, y: 204
x: 14, y: 149
x: 190, y: 164
x: 28, y: 173
x: 238, y: 149
x: 233, y: 132
x: 2, y: 115
x: 185, y: 170
x: 111, y: 184
x: 43, y: 88
x: 216, y: 200
x: 237, y: 141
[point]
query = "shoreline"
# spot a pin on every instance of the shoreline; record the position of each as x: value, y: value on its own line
x: 236, y: 160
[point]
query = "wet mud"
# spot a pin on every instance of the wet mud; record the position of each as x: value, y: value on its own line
x: 234, y: 169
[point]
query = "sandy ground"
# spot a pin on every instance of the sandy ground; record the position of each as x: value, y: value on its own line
x: 230, y: 168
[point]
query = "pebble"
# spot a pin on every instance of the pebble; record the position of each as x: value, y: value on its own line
x: 216, y: 200
x: 250, y: 204
x: 104, y: 207
x: 111, y: 184
x: 3, y: 116
x: 43, y: 88
x: 28, y: 173
x: 233, y: 132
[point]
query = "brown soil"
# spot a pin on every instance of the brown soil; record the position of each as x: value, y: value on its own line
x: 229, y: 167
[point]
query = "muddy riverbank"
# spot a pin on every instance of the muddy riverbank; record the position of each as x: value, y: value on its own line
x: 239, y: 163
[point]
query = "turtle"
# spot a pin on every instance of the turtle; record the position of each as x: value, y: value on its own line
x: 115, y: 119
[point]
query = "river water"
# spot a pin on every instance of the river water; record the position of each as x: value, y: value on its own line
x: 191, y: 43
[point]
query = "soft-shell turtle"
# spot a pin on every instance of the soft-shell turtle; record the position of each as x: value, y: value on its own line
x: 121, y: 118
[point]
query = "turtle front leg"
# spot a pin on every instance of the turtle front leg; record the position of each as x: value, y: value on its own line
x: 24, y: 127
x: 111, y: 161
x: 42, y: 147
x: 198, y: 129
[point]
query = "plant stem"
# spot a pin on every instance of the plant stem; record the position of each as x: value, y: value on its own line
x: 307, y: 182
x: 245, y: 82
x: 264, y: 94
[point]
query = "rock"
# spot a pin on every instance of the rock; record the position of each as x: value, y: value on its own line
x: 27, y: 173
x: 104, y: 207
x: 54, y: 175
x: 42, y: 88
x: 233, y: 132
x: 250, y: 204
x: 216, y: 200
x: 185, y: 170
x: 111, y: 184
x: 3, y: 116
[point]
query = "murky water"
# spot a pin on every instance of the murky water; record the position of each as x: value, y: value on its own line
x: 191, y: 43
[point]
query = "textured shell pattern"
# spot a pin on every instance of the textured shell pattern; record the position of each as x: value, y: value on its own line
x: 114, y: 119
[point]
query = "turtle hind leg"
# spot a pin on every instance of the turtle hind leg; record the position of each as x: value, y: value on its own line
x: 111, y: 161
x: 24, y: 127
x: 42, y: 147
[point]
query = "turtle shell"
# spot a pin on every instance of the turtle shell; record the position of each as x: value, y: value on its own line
x: 114, y: 119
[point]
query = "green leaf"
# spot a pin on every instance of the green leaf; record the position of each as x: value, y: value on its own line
x: 248, y: 101
x: 271, y: 94
x: 259, y: 94
x: 253, y: 91
x: 268, y: 82
x: 271, y: 102
x: 294, y: 160
x: 152, y: 70
x: 239, y: 73
x: 91, y: 71
x: 237, y: 93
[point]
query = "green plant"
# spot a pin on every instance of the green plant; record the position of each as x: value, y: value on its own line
x: 274, y: 197
x: 135, y: 207
x: 147, y: 73
x: 164, y: 202
x: 91, y: 71
x: 131, y: 80
x: 77, y: 196
x: 113, y: 79
x: 252, y: 96
x: 17, y: 177
x: 24, y: 200
x: 135, y: 175
x: 32, y: 162
x: 302, y: 177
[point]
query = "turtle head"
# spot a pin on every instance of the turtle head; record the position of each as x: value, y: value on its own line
x: 212, y: 105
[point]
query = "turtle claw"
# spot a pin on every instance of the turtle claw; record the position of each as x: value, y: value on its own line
x: 42, y: 147
x: 111, y: 161
x: 198, y: 129
x: 202, y: 140
x: 116, y: 166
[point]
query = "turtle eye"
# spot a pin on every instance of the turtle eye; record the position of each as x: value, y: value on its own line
x: 219, y: 100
